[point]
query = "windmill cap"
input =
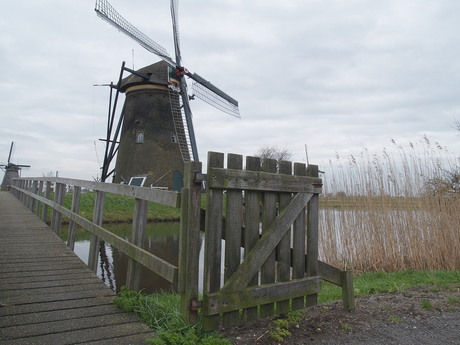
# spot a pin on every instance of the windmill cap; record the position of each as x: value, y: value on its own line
x: 158, y: 73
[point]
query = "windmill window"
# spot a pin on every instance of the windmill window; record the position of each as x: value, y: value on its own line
x: 140, y: 137
x: 174, y: 138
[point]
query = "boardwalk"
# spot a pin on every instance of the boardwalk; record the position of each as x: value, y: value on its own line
x: 48, y: 295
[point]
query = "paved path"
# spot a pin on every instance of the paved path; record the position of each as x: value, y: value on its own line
x: 48, y: 295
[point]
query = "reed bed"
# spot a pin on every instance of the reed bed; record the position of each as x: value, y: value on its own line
x: 392, y: 211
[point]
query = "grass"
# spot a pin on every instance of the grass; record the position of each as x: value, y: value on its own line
x: 385, y: 282
x: 161, y: 311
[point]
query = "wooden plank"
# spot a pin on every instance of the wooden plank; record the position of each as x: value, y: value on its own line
x: 56, y: 217
x: 269, y: 210
x: 348, y: 295
x: 233, y: 225
x: 95, y: 242
x: 190, y: 240
x: 54, y: 299
x: 262, y: 181
x: 216, y: 303
x: 72, y: 225
x: 298, y: 245
x: 283, y: 249
x: 267, y: 243
x: 159, y: 196
x: 137, y: 238
x: 251, y: 227
x: 213, y: 236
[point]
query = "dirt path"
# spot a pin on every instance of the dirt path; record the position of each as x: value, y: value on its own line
x: 418, y: 316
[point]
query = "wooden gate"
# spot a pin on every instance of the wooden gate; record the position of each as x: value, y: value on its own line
x: 264, y: 214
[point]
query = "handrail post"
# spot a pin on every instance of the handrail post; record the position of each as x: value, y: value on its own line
x: 35, y: 191
x: 47, y: 196
x: 98, y: 214
x: 137, y: 238
x: 74, y: 208
x: 190, y: 240
x: 39, y: 192
x: 57, y: 216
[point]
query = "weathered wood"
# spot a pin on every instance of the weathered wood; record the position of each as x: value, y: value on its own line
x: 213, y: 236
x: 284, y: 247
x: 262, y: 181
x: 190, y: 240
x: 47, y: 196
x: 98, y: 214
x: 251, y: 227
x: 137, y: 238
x: 56, y: 217
x: 298, y: 245
x: 260, y: 295
x: 267, y: 243
x: 163, y: 197
x: 348, y: 296
x: 312, y: 236
x: 39, y: 192
x: 152, y: 262
x: 233, y: 225
x: 269, y: 210
x: 72, y: 225
x: 48, y: 305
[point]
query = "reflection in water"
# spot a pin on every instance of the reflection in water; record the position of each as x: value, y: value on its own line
x: 161, y: 239
x: 105, y: 267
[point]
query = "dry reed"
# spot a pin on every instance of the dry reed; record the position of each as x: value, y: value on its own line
x: 390, y: 212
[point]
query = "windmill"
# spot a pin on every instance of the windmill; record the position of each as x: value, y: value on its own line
x: 11, y: 170
x: 154, y: 135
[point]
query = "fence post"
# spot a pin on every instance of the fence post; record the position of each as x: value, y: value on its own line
x: 56, y: 216
x: 190, y: 241
x: 39, y: 204
x: 312, y: 236
x: 74, y: 208
x: 35, y: 191
x: 348, y: 296
x: 137, y: 238
x: 47, y: 196
x: 94, y: 241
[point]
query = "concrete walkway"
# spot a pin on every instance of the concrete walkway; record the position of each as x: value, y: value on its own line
x: 48, y: 295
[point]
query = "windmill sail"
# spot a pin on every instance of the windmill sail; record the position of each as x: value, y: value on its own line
x: 109, y: 14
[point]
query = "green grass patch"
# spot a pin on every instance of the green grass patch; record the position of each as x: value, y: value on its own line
x: 119, y: 208
x: 383, y: 282
x: 161, y: 311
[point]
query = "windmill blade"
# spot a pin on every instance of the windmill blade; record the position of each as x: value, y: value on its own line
x: 109, y: 14
x: 175, y: 23
x: 11, y: 149
x: 210, y: 94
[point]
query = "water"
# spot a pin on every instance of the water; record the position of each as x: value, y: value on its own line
x: 161, y: 239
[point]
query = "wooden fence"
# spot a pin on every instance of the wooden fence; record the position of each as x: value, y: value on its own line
x: 260, y: 239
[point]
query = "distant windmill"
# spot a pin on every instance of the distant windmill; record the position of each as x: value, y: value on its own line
x: 11, y: 170
x: 157, y: 134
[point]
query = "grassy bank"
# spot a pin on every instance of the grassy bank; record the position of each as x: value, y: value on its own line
x: 161, y: 310
x: 121, y: 208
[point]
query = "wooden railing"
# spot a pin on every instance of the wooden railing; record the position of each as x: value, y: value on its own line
x: 35, y: 193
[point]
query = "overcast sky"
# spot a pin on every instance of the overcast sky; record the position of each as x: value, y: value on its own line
x: 337, y: 76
